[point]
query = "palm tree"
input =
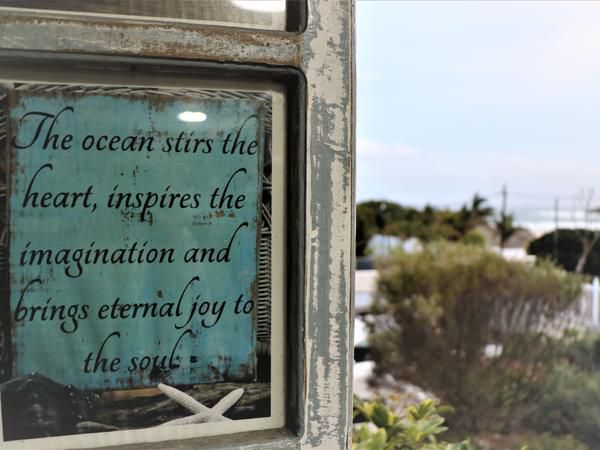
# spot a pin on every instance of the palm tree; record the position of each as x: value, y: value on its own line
x: 472, y: 215
x: 505, y: 227
x: 479, y: 210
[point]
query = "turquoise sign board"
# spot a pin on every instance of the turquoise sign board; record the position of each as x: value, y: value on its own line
x: 134, y: 227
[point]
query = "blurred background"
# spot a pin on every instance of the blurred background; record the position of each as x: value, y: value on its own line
x: 478, y: 216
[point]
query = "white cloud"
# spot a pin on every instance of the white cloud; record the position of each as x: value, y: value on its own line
x: 370, y: 149
x: 551, y: 50
x: 412, y: 177
x: 382, y: 168
x: 555, y: 176
x: 517, y: 54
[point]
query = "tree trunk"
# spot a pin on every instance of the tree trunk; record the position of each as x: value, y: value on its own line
x: 585, y: 252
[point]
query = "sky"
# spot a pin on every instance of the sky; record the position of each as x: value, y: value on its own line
x: 455, y: 98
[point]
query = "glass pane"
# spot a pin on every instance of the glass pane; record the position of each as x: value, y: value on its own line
x: 171, y: 200
x: 266, y: 14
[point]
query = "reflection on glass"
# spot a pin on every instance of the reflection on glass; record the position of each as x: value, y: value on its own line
x: 265, y: 14
x: 192, y: 116
x: 261, y: 5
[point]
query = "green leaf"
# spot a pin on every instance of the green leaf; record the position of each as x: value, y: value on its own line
x: 382, y: 416
x: 362, y: 434
x: 431, y: 426
x: 445, y: 409
x: 378, y: 440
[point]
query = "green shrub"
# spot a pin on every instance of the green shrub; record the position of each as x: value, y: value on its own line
x: 548, y: 441
x: 582, y: 351
x: 416, y: 429
x: 569, y: 396
x: 427, y: 224
x: 473, y: 237
x: 442, y: 308
x: 569, y: 403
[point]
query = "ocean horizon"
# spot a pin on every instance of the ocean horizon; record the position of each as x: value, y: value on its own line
x: 540, y: 221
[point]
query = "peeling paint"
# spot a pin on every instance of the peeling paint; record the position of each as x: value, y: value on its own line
x: 45, y: 31
x: 330, y: 196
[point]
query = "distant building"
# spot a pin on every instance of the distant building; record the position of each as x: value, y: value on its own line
x: 382, y: 245
x: 365, y: 284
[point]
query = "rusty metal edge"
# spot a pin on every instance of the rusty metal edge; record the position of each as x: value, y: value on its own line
x: 52, y: 32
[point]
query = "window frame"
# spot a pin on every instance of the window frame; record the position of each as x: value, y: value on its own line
x: 316, y: 64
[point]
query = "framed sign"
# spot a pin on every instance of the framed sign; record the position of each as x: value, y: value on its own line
x: 143, y: 253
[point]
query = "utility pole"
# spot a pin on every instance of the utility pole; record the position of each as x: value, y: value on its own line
x: 504, y: 199
x: 502, y: 223
x: 555, y: 250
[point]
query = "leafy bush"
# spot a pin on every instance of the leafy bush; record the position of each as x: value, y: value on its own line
x: 570, y: 404
x: 582, y: 351
x: 548, y: 441
x: 569, y: 398
x: 471, y: 327
x: 417, y: 429
x: 473, y: 237
x: 428, y: 224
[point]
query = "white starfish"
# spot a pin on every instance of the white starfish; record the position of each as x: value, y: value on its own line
x: 200, y: 412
